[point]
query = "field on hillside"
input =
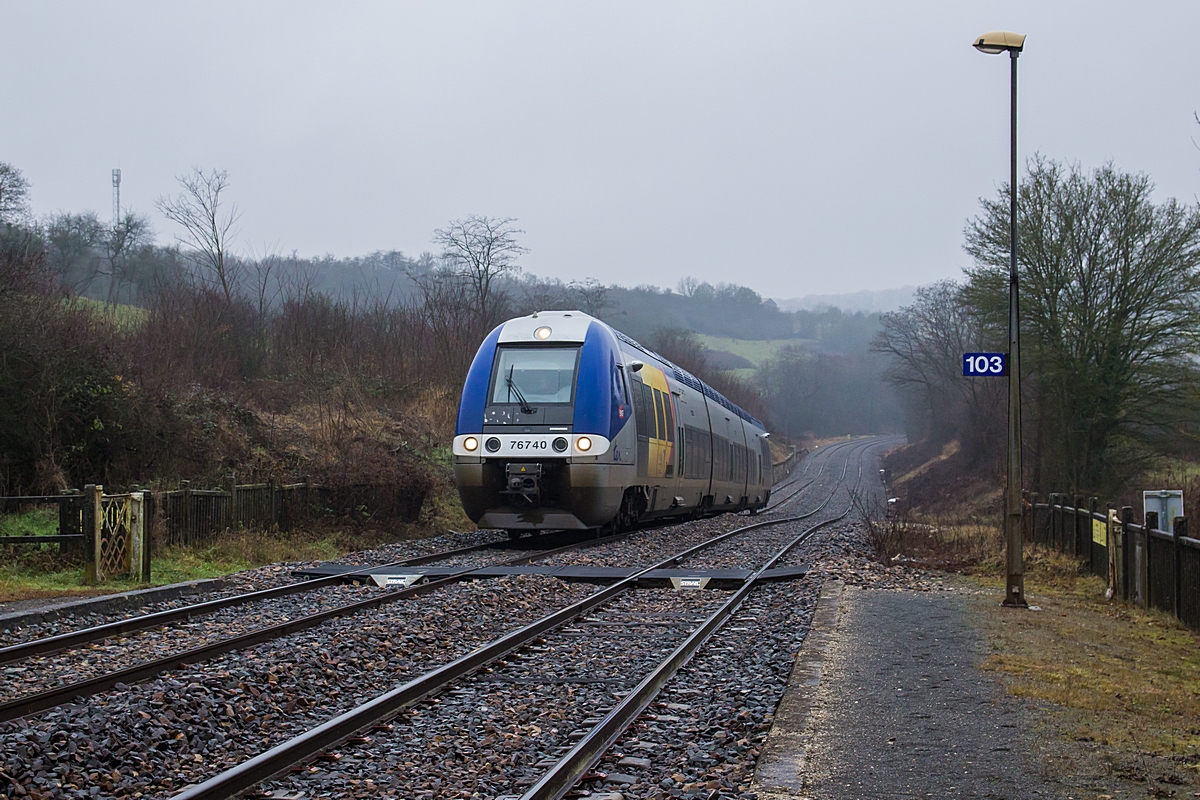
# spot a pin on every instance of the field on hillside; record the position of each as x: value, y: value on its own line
x: 754, y: 351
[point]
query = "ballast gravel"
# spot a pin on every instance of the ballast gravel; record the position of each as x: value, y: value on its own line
x: 186, y: 725
x: 499, y: 729
x: 253, y: 580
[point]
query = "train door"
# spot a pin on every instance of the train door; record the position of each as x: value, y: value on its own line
x: 656, y: 436
x: 745, y: 455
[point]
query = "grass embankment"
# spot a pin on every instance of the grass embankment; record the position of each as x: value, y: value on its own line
x: 32, y: 572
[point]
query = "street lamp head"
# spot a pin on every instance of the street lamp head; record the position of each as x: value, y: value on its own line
x: 998, y: 42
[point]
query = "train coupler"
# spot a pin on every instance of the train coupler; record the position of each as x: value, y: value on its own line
x: 524, y: 481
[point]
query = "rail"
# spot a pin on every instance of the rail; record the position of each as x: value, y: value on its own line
x: 50, y: 698
x: 586, y: 753
x: 317, y: 740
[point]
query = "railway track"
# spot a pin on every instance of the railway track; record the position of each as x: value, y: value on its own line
x: 70, y: 687
x: 252, y: 701
x: 603, y: 608
x: 776, y: 504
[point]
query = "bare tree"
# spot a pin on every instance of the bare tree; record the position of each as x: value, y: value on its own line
x: 209, y: 226
x: 130, y: 234
x: 925, y: 342
x: 688, y: 286
x: 591, y: 295
x: 14, y: 195
x: 266, y: 278
x: 542, y: 295
x: 479, y: 250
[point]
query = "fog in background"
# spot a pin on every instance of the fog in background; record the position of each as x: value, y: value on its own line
x: 795, y: 148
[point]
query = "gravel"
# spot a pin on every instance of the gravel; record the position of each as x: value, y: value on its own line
x: 188, y: 724
x: 493, y: 732
x: 496, y: 731
x: 271, y: 576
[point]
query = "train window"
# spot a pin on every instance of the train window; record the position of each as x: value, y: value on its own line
x: 648, y: 407
x: 669, y: 402
x: 534, y: 375
x: 658, y: 407
x: 644, y: 425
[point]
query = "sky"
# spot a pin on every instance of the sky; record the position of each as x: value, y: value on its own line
x: 793, y: 147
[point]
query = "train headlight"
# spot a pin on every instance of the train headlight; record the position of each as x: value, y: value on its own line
x: 560, y: 444
x: 470, y: 444
x: 542, y: 333
x: 492, y: 444
x: 583, y: 444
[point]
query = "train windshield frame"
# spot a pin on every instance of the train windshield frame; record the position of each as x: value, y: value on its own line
x: 534, y: 376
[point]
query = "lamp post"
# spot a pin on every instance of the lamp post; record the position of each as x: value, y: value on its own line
x: 995, y: 43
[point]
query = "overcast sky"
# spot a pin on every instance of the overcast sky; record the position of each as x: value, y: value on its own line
x: 795, y: 147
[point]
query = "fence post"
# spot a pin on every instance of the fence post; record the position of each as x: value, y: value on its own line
x: 96, y: 500
x: 187, y: 511
x: 234, y: 518
x: 1060, y: 527
x: 1178, y: 531
x: 1150, y: 523
x: 1056, y: 521
x: 149, y: 524
x: 1112, y: 541
x: 1089, y: 538
x: 136, y: 536
x: 1077, y: 544
x: 1126, y: 521
x: 1033, y: 519
x: 87, y: 527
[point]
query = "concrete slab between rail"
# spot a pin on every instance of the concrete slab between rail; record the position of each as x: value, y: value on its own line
x: 54, y: 609
x: 780, y: 768
x: 716, y: 578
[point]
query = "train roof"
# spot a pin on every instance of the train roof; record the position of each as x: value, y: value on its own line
x: 522, y: 329
x: 688, y: 379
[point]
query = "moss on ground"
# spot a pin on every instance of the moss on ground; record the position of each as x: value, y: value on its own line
x: 1130, y: 678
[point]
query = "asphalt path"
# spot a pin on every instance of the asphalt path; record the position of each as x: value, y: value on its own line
x: 886, y: 701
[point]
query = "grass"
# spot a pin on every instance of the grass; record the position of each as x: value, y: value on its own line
x: 1119, y: 680
x: 125, y: 318
x: 1122, y: 677
x: 25, y: 578
x: 36, y: 522
x: 753, y: 350
x: 41, y: 572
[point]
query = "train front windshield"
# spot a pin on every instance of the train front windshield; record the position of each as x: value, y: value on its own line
x: 534, y: 375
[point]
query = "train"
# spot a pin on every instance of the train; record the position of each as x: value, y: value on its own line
x: 565, y: 423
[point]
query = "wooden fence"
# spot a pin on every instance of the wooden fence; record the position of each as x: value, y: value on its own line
x: 195, y: 516
x: 1143, y: 564
x: 110, y: 531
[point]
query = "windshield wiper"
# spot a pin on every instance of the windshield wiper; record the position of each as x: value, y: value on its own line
x: 512, y: 389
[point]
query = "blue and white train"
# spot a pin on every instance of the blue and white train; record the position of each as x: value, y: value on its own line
x: 566, y: 423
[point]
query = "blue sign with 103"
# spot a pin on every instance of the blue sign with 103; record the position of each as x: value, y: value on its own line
x: 985, y: 364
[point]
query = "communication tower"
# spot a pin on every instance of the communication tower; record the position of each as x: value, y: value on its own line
x: 116, y: 198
